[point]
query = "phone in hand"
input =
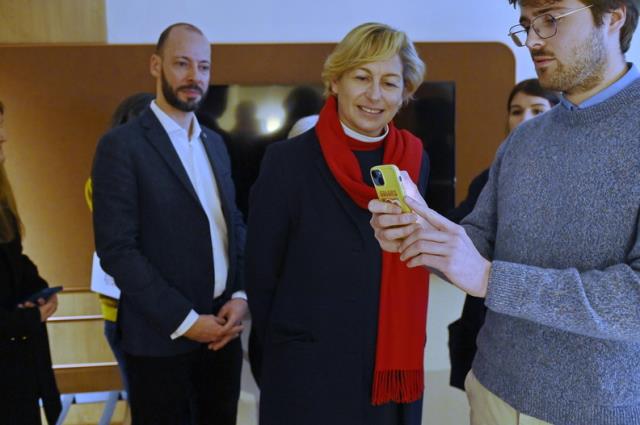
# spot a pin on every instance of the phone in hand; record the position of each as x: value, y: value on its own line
x: 44, y: 293
x: 388, y: 183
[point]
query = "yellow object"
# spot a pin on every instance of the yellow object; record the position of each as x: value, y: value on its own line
x: 388, y: 183
x: 109, y: 308
x: 88, y: 193
x: 108, y: 305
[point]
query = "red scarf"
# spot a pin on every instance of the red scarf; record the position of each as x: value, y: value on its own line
x: 404, y: 292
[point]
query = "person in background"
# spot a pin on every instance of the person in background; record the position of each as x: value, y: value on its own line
x: 553, y: 243
x: 527, y: 100
x: 128, y: 109
x: 302, y: 125
x: 338, y: 327
x: 25, y: 360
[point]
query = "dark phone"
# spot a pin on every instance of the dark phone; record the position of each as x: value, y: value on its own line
x: 45, y: 293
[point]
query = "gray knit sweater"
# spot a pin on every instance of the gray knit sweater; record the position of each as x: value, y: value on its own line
x: 559, y: 219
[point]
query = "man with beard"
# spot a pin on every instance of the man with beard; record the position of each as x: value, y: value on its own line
x: 168, y: 230
x: 553, y: 242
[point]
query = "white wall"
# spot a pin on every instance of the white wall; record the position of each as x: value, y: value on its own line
x: 256, y: 21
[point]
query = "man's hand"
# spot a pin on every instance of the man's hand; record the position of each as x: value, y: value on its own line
x: 206, y: 329
x: 446, y: 247
x: 232, y: 313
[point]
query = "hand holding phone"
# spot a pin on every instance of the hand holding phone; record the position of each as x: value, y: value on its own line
x: 44, y: 293
x: 387, y: 181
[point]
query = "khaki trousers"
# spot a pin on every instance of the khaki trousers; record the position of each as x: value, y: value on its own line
x: 489, y: 409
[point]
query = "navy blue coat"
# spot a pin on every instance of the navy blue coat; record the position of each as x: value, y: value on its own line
x: 313, y: 280
x: 152, y: 234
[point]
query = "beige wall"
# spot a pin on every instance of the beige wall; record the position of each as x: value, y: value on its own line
x: 52, y: 21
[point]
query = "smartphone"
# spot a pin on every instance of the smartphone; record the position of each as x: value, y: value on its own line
x: 388, y: 183
x: 45, y: 293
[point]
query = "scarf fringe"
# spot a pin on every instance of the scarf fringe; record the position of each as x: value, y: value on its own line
x: 399, y: 386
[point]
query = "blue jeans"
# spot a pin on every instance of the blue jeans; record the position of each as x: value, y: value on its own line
x: 111, y: 334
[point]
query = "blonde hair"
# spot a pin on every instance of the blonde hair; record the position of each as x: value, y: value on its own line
x: 373, y: 42
x: 10, y: 223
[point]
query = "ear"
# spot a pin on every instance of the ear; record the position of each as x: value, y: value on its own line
x: 334, y: 87
x: 155, y: 65
x: 618, y: 17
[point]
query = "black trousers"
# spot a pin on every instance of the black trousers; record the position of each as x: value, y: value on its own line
x: 201, y: 387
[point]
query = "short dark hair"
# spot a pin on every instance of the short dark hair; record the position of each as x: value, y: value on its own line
x: 532, y: 87
x: 131, y: 107
x: 600, y: 7
x: 165, y: 34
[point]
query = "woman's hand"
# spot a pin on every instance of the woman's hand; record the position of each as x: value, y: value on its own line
x: 390, y: 224
x: 47, y: 307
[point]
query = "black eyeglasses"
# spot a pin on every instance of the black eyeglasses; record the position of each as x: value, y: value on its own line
x: 545, y: 26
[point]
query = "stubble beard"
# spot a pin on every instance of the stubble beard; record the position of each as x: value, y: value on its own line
x: 584, y: 71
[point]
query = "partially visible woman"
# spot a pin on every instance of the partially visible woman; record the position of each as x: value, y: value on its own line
x: 25, y: 360
x: 338, y: 327
x: 526, y: 101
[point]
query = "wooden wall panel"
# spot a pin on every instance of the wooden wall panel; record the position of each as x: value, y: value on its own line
x: 53, y: 21
x: 59, y: 99
x: 78, y: 342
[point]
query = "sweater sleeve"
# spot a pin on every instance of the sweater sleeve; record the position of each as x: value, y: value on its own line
x: 602, y: 303
x: 598, y: 303
x: 481, y: 223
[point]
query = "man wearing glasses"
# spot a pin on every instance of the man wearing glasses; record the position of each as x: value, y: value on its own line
x: 553, y: 243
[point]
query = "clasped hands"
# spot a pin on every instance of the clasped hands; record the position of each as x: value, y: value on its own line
x: 218, y: 330
x: 425, y: 238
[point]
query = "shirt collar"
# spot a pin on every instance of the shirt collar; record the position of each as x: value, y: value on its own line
x: 629, y: 77
x: 172, y: 127
x: 361, y: 137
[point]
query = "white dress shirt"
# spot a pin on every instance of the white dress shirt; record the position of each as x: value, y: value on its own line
x: 195, y: 161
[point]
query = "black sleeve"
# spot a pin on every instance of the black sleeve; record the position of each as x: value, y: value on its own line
x: 266, y: 249
x: 475, y: 188
x: 116, y: 223
x: 17, y: 322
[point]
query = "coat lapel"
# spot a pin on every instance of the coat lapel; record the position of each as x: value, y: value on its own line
x: 156, y: 135
x: 350, y: 208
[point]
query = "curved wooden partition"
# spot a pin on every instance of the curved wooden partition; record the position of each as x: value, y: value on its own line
x: 59, y: 100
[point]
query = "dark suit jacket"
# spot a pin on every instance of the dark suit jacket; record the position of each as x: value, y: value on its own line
x: 152, y: 234
x: 313, y: 282
x: 25, y: 361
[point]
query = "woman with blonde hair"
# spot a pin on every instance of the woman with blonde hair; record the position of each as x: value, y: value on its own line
x: 25, y: 360
x: 338, y: 327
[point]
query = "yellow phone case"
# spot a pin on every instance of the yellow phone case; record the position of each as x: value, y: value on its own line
x: 388, y: 183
